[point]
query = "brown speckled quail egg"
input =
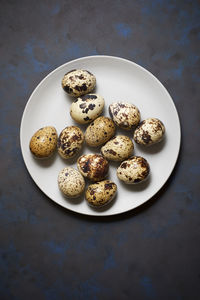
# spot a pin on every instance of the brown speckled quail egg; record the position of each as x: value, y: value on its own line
x: 87, y: 108
x: 149, y: 131
x: 44, y: 141
x: 78, y: 82
x: 118, y: 148
x: 93, y: 166
x: 125, y: 115
x: 70, y: 141
x: 133, y: 170
x: 99, y: 131
x: 71, y: 182
x: 100, y: 193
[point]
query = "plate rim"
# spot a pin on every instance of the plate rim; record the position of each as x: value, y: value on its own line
x: 100, y: 57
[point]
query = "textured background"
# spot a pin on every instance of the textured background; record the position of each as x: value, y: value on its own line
x: 47, y: 252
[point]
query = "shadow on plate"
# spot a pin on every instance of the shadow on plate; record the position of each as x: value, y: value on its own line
x: 45, y: 162
x: 94, y: 150
x: 73, y: 201
x: 153, y: 149
x: 115, y: 164
x: 138, y: 187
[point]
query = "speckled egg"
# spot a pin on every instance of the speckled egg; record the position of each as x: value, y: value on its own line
x: 99, y: 131
x: 78, y: 82
x: 133, y: 170
x: 149, y: 132
x: 125, y: 115
x: 43, y: 142
x: 101, y: 193
x: 87, y: 108
x: 118, y: 148
x: 71, y: 182
x: 70, y: 141
x: 93, y: 166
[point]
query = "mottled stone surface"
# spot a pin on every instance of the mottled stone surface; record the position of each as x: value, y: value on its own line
x: 49, y: 253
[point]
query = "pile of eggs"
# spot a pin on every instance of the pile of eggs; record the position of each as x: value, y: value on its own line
x: 87, y: 108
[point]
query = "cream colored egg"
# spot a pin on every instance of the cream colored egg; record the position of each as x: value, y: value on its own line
x: 87, y: 108
x: 78, y: 82
x: 70, y: 141
x: 44, y: 141
x: 93, y: 166
x: 71, y: 182
x: 149, y: 132
x: 99, y: 131
x: 101, y: 193
x: 133, y: 170
x: 118, y: 148
x: 125, y: 115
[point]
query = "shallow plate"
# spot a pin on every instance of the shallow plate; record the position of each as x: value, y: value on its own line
x: 117, y: 80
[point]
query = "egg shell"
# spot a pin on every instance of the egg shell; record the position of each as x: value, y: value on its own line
x: 99, y: 131
x: 101, y: 193
x: 71, y: 182
x: 78, y: 82
x: 87, y: 108
x: 118, y: 148
x: 133, y: 170
x: 44, y: 141
x: 125, y: 115
x: 149, y: 132
x: 70, y: 141
x: 93, y: 166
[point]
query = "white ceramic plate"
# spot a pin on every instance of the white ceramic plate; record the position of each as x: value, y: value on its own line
x: 117, y: 80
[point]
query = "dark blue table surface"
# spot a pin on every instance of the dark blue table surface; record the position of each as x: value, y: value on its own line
x: 47, y: 252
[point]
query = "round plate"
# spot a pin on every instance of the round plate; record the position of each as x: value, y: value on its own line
x: 117, y: 80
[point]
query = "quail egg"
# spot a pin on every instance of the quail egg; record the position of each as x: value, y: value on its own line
x: 44, y: 141
x: 70, y: 141
x: 118, y: 148
x: 133, y: 170
x: 87, y: 108
x: 71, y: 182
x: 149, y: 131
x: 125, y: 115
x: 99, y: 131
x: 93, y: 166
x: 100, y: 193
x: 78, y: 82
